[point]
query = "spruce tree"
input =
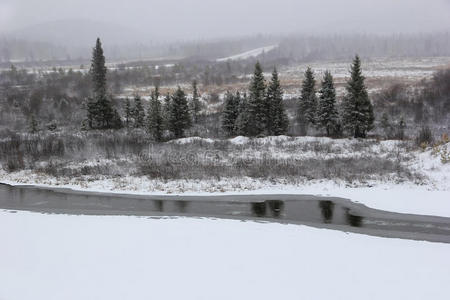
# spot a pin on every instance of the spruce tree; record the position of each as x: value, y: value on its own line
x: 34, y: 125
x: 100, y: 111
x: 358, y: 114
x: 166, y: 111
x: 92, y: 112
x: 327, y: 114
x: 243, y: 120
x: 277, y: 121
x: 230, y: 113
x: 155, y: 120
x: 307, y: 105
x: 98, y: 70
x: 257, y: 106
x: 105, y: 112
x: 128, y: 112
x: 116, y: 121
x: 180, y: 119
x: 138, y: 112
x: 195, y: 104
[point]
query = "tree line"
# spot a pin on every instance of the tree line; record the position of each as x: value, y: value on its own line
x: 176, y: 114
x: 262, y: 112
x: 258, y: 113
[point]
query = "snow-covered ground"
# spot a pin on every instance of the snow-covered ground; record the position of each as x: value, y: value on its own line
x: 55, y: 257
x: 407, y: 68
x: 252, y: 53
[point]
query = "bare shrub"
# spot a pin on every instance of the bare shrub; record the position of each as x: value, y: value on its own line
x: 424, y: 137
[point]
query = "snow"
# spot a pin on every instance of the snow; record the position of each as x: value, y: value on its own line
x: 190, y: 140
x: 166, y: 65
x: 82, y: 257
x: 252, y: 53
x: 240, y: 140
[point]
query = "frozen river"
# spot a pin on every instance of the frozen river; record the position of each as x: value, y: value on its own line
x: 321, y: 212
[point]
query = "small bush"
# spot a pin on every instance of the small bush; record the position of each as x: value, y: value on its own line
x: 424, y: 137
x: 15, y: 163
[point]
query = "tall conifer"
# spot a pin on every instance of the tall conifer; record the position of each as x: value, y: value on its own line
x: 230, y: 113
x: 180, y: 119
x: 241, y: 126
x: 358, y: 117
x: 276, y: 119
x: 101, y: 113
x: 307, y: 105
x: 155, y: 120
x: 327, y: 114
x: 257, y: 106
x: 138, y: 112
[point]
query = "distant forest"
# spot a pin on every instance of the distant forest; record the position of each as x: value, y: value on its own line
x: 291, y: 48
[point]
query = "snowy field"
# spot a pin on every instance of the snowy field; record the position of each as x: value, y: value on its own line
x: 379, y: 72
x: 408, y: 68
x: 53, y: 257
x: 248, y: 54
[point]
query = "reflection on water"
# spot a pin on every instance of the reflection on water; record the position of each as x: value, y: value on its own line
x: 181, y: 206
x: 326, y: 208
x: 270, y: 208
x: 159, y: 204
x: 259, y: 209
x: 276, y: 207
x: 353, y: 220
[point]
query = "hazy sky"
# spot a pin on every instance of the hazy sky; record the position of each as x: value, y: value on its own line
x: 208, y: 18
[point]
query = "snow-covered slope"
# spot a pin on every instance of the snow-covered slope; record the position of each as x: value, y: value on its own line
x: 50, y: 257
x: 252, y: 53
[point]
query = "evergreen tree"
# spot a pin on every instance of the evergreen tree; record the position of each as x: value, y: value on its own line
x: 195, y: 104
x: 257, y: 106
x: 327, y: 114
x: 128, y: 112
x: 34, y: 126
x: 91, y: 112
x: 105, y: 112
x: 308, y: 102
x: 98, y: 71
x: 101, y: 114
x: 230, y: 113
x: 138, y: 112
x: 155, y: 120
x: 358, y: 114
x: 277, y: 121
x: 243, y: 120
x: 180, y: 119
x: 116, y: 121
x: 166, y: 111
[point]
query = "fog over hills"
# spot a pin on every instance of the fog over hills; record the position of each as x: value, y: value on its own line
x: 197, y: 19
x: 80, y: 32
x: 138, y: 29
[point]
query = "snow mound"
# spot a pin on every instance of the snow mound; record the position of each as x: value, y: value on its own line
x: 189, y: 140
x: 252, y: 53
x: 239, y: 140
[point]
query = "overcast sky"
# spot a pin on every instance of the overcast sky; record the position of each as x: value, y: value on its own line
x: 216, y: 18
